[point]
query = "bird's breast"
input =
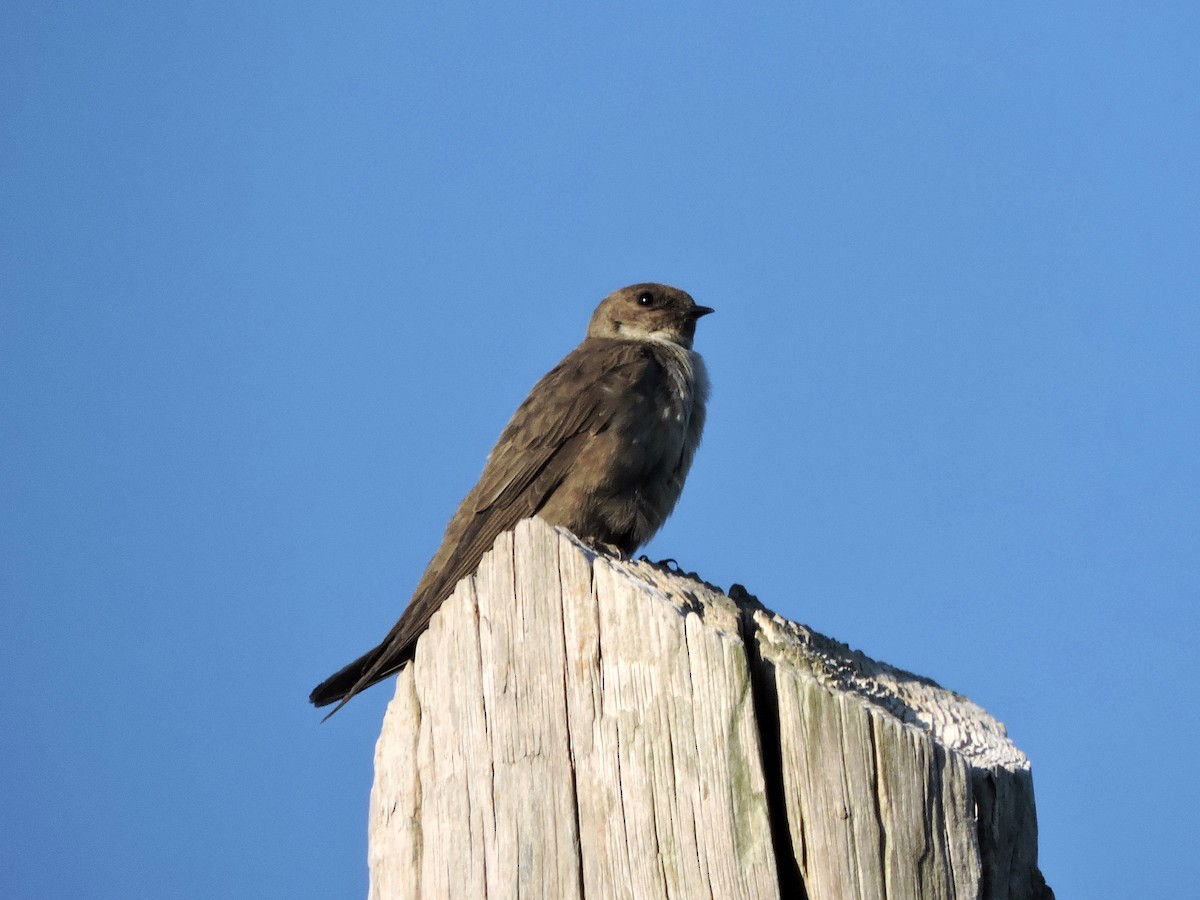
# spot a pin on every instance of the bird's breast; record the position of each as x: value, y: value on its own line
x: 666, y: 418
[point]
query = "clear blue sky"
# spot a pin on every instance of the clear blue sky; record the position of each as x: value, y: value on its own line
x: 274, y: 276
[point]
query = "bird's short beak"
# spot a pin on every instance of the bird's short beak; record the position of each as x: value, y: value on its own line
x: 698, y: 311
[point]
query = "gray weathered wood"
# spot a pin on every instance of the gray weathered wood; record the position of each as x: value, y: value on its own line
x: 574, y: 726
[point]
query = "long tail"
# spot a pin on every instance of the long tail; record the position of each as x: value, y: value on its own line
x: 467, y: 536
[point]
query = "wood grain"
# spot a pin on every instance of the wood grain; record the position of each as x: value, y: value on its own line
x: 579, y: 727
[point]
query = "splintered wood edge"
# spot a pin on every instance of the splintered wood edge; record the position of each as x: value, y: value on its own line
x: 952, y: 720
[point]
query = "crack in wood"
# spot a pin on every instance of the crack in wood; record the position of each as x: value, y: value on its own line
x: 765, y: 698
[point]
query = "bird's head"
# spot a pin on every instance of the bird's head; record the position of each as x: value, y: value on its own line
x: 648, y: 312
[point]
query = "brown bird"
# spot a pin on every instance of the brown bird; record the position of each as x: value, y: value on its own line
x: 601, y: 446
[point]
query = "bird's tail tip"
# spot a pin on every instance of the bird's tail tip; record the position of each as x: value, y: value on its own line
x: 340, y: 686
x: 370, y: 668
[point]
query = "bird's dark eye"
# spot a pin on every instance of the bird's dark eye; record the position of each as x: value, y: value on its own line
x: 645, y: 299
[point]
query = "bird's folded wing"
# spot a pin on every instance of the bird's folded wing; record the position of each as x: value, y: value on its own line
x: 575, y: 400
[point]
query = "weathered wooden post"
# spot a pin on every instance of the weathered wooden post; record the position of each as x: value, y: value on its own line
x: 576, y: 727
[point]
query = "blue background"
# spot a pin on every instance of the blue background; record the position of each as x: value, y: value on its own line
x: 274, y: 276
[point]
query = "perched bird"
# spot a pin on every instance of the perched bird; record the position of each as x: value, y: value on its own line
x: 601, y: 446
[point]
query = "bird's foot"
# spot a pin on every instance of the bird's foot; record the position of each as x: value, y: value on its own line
x: 671, y: 565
